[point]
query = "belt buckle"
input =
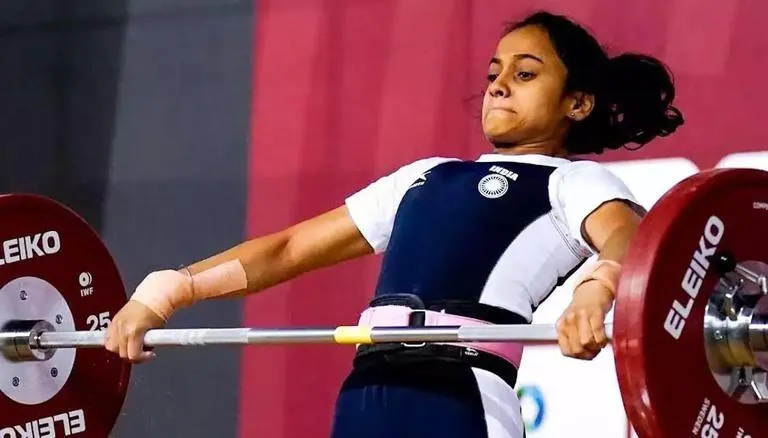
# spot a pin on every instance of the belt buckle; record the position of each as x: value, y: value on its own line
x: 417, y: 318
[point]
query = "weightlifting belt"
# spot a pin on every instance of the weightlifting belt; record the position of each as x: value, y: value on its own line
x: 403, y: 316
x: 407, y: 310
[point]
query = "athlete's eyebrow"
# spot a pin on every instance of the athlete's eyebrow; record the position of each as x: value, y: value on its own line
x: 518, y: 56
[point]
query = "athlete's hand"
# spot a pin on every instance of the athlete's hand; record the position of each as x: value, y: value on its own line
x: 125, y: 335
x: 581, y: 328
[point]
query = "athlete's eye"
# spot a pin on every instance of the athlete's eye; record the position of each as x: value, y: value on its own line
x: 526, y: 75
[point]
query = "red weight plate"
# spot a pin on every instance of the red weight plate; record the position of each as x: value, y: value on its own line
x: 665, y: 380
x: 53, y: 266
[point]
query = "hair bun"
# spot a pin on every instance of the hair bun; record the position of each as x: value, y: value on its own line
x: 640, y: 91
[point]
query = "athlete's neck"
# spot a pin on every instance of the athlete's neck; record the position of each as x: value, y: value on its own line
x: 545, y: 147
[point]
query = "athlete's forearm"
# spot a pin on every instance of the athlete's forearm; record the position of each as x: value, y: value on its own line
x: 607, y: 270
x: 256, y: 264
x: 249, y: 267
x: 223, y: 275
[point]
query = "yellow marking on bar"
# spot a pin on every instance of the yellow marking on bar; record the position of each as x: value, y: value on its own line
x: 352, y: 335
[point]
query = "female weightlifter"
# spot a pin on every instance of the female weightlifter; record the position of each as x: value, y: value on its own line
x: 465, y: 242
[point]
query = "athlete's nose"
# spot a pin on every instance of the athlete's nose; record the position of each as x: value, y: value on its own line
x: 499, y: 89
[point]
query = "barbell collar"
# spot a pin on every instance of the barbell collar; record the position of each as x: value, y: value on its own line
x: 20, y: 343
x: 725, y: 262
x: 758, y: 336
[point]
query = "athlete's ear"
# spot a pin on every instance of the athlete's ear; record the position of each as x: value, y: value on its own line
x: 580, y: 106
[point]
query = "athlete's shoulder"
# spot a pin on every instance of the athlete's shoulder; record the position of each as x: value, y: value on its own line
x: 578, y: 164
x: 584, y: 164
x: 373, y: 208
x: 419, y: 166
x: 580, y: 188
x: 587, y: 171
x: 430, y: 162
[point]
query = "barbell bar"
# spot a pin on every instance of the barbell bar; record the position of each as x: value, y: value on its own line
x: 534, y: 334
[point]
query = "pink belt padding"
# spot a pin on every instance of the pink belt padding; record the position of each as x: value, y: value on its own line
x: 398, y: 316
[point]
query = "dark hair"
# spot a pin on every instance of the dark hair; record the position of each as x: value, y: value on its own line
x: 633, y: 92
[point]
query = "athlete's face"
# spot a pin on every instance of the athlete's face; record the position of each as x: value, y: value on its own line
x: 524, y: 101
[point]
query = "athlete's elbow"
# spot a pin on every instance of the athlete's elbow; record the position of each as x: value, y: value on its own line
x: 292, y: 256
x: 325, y: 240
x: 302, y: 251
x: 617, y: 242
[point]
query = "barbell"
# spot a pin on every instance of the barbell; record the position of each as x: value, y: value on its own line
x: 689, y: 332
